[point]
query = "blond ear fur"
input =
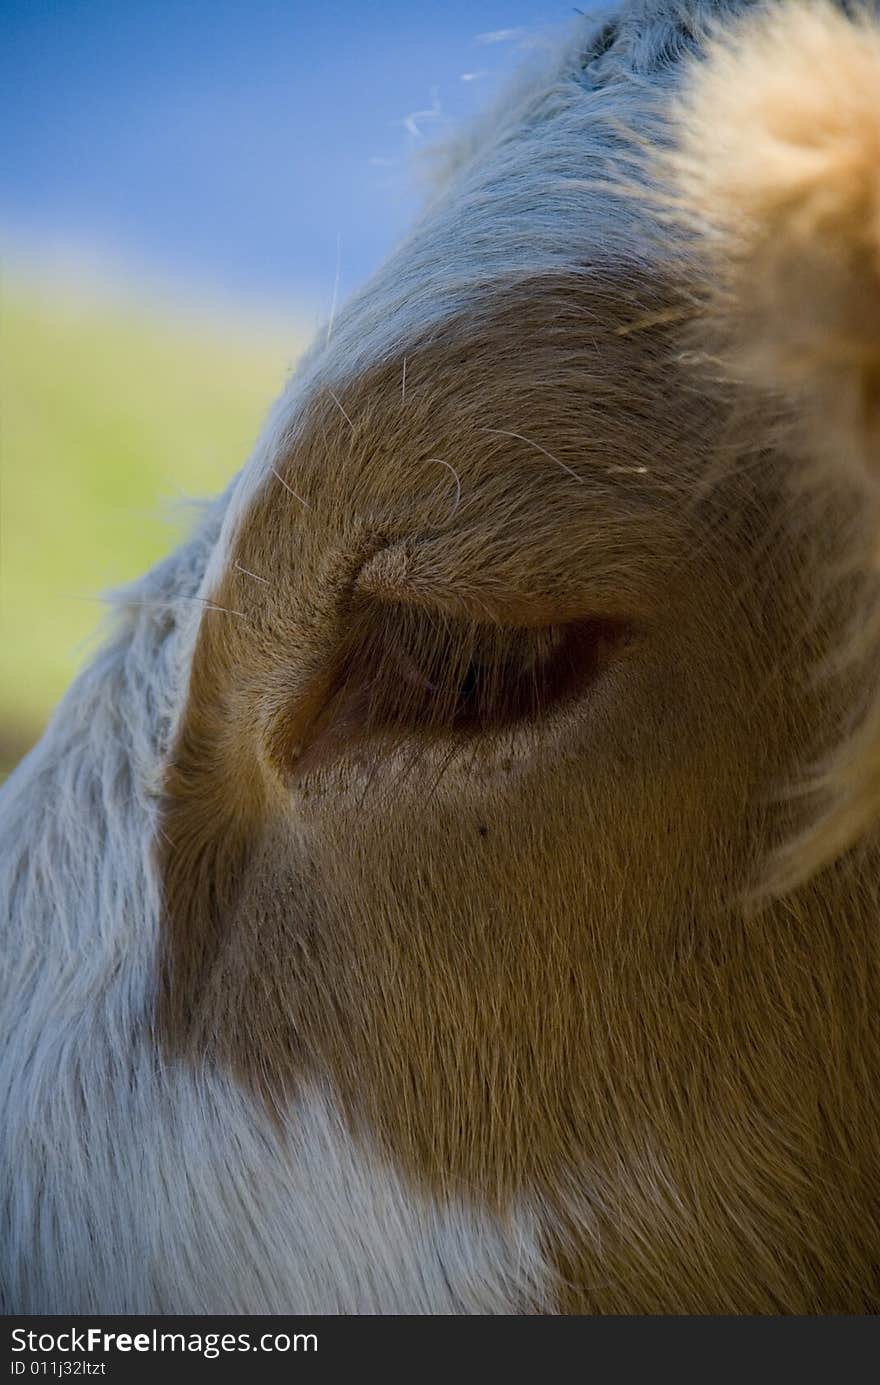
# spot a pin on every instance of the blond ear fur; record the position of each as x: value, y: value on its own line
x: 775, y: 171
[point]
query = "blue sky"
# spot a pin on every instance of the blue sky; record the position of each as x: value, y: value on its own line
x: 233, y: 145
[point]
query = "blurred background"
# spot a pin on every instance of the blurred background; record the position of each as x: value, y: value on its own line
x: 188, y: 186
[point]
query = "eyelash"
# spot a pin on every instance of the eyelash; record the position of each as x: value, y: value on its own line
x: 411, y: 673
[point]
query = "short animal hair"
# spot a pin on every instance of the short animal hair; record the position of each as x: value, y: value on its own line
x: 424, y: 903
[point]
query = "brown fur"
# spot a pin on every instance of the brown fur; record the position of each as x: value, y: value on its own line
x: 776, y: 175
x: 507, y: 924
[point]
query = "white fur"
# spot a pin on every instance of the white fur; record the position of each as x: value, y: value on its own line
x: 131, y: 1186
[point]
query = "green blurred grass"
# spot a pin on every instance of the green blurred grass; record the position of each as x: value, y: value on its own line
x: 109, y: 410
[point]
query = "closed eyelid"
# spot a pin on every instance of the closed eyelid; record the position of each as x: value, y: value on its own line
x: 413, y: 674
x: 475, y: 583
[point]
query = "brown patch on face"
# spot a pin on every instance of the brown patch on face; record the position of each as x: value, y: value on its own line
x: 500, y: 915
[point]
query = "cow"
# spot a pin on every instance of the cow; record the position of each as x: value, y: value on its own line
x: 454, y: 886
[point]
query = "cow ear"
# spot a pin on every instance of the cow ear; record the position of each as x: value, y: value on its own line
x: 775, y: 171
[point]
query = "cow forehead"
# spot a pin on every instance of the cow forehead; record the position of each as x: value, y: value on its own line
x: 532, y: 191
x: 525, y: 200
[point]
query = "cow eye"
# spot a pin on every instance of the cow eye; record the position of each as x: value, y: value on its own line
x: 477, y: 677
x: 409, y: 673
